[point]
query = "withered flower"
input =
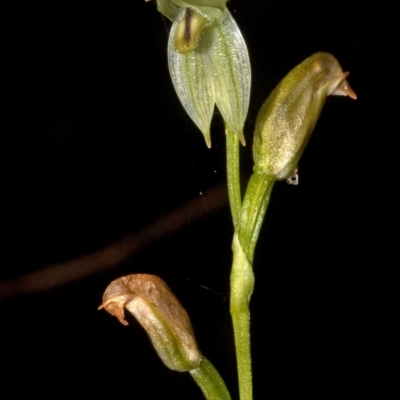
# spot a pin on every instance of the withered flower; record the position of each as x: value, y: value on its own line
x: 151, y: 302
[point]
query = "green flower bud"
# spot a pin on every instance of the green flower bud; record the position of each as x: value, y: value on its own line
x: 151, y: 302
x: 288, y: 116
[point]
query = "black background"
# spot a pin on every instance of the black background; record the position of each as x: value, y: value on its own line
x: 96, y: 145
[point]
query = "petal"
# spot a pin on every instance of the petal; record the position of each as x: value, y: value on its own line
x: 190, y: 74
x: 231, y: 73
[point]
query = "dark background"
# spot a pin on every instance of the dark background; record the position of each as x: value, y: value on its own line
x: 96, y: 146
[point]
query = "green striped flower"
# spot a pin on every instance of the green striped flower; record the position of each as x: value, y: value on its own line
x: 208, y: 62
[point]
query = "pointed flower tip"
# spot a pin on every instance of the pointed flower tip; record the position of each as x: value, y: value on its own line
x: 115, y: 307
x: 344, y: 88
x: 242, y: 139
x: 207, y: 137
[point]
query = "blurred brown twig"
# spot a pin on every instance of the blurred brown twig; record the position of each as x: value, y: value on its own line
x: 113, y: 254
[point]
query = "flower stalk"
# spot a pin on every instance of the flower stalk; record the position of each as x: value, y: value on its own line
x: 283, y: 128
x: 209, y: 66
x: 209, y: 381
x: 233, y: 174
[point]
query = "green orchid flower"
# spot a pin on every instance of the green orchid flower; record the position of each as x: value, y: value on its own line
x: 208, y: 62
x: 288, y: 116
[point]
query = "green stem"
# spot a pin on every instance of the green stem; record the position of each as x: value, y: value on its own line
x: 255, y: 204
x: 247, y: 221
x: 233, y: 174
x: 242, y: 283
x: 210, y: 382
